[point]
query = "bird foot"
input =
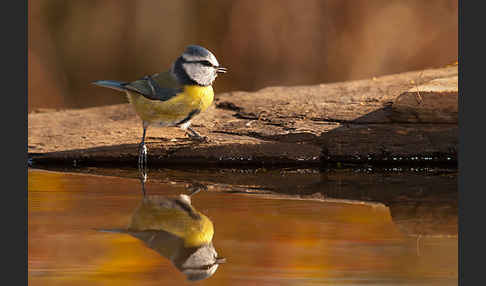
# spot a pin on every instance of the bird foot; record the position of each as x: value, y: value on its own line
x: 202, y: 139
x: 193, y: 135
x: 195, y: 188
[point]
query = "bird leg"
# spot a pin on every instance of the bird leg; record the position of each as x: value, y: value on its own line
x: 142, y: 151
x: 142, y: 155
x: 143, y: 179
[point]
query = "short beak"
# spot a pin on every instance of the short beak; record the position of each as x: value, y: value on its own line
x: 221, y: 70
x: 220, y: 260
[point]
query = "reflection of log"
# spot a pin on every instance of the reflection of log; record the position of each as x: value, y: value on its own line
x: 418, y: 204
x: 426, y: 219
x: 360, y: 121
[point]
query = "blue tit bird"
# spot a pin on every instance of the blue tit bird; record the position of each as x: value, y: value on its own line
x: 175, y: 97
x: 176, y: 230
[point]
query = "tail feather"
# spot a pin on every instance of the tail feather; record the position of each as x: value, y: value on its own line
x: 113, y: 84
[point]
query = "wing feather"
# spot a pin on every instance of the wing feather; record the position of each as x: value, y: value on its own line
x: 160, y: 86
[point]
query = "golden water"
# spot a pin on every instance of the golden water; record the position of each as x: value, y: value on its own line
x: 266, y: 241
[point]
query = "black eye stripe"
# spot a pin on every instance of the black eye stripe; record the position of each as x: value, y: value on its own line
x: 203, y: 62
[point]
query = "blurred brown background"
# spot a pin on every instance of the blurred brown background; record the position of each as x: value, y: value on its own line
x: 263, y: 43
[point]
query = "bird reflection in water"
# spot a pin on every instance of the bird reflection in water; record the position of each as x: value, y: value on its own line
x: 175, y: 229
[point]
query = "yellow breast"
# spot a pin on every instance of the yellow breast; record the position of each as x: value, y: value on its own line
x: 174, y: 110
x: 194, y: 232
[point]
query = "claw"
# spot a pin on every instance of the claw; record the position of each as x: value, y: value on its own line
x: 195, y: 188
x: 196, y: 136
x: 203, y: 139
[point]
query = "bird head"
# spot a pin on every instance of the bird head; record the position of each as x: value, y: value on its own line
x: 197, y: 66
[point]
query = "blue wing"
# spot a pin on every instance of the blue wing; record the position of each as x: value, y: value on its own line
x: 160, y: 86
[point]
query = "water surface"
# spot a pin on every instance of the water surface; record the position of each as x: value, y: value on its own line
x: 269, y: 240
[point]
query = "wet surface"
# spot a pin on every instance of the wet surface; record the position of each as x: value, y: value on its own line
x: 273, y: 227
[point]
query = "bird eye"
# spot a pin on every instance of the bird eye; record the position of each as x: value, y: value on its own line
x: 206, y: 63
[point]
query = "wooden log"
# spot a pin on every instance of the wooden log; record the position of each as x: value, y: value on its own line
x: 433, y: 102
x: 364, y: 121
